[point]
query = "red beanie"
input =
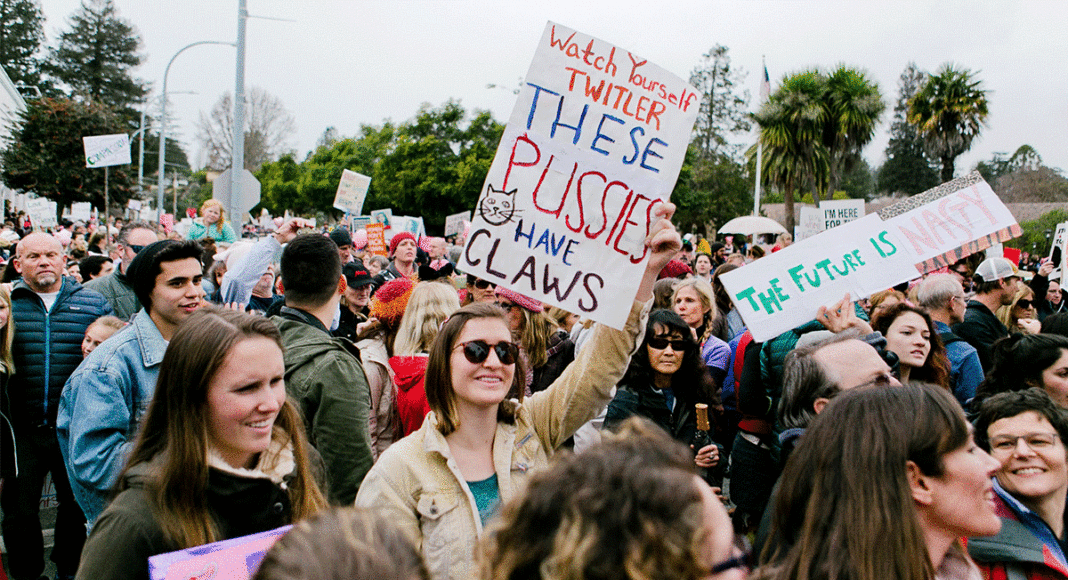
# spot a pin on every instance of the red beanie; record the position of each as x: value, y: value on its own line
x: 389, y: 301
x: 674, y: 269
x: 397, y: 239
x: 517, y: 298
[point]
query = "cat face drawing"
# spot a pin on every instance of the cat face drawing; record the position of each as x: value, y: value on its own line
x: 497, y: 207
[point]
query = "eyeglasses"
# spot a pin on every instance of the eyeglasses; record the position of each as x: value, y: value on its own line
x: 1035, y: 441
x: 477, y: 351
x: 483, y: 284
x: 136, y: 249
x: 660, y: 343
x: 743, y: 557
x: 507, y: 305
x: 1023, y: 303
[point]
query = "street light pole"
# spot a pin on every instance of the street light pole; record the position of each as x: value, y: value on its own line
x: 163, y: 124
x: 237, y: 152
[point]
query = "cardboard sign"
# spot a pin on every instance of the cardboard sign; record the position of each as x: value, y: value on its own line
x: 234, y: 559
x: 107, y: 150
x: 811, y: 223
x: 42, y: 212
x: 785, y: 289
x: 454, y: 224
x: 595, y: 142
x: 836, y: 212
x: 376, y: 239
x: 81, y: 211
x: 383, y: 216
x: 351, y: 192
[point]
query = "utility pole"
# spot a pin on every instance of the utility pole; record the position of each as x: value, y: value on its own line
x: 237, y: 154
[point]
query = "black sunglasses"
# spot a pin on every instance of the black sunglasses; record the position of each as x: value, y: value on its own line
x: 483, y: 284
x: 136, y: 249
x: 1023, y: 303
x: 661, y: 343
x: 477, y: 351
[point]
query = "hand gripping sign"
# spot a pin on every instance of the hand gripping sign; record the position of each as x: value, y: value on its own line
x: 595, y: 142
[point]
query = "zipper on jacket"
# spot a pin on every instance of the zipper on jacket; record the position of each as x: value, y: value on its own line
x: 47, y: 358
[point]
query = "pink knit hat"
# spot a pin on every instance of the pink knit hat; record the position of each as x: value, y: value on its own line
x: 517, y: 298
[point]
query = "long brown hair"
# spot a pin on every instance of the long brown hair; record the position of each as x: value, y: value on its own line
x: 845, y: 508
x: 175, y: 428
x: 438, y: 382
x: 7, y: 334
x: 936, y: 368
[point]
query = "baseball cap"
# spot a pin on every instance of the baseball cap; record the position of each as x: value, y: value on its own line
x: 356, y: 275
x: 995, y: 269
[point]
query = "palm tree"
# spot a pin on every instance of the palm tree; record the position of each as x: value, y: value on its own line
x: 791, y: 129
x: 949, y: 111
x: 853, y: 105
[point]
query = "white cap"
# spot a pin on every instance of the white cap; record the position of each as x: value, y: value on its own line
x: 995, y: 269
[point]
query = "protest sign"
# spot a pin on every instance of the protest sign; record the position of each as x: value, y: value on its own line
x: 376, y: 239
x: 81, y: 211
x: 454, y: 224
x: 383, y: 216
x: 359, y: 222
x: 875, y: 252
x: 106, y: 150
x: 836, y: 212
x: 351, y: 191
x: 233, y: 559
x: 811, y: 223
x: 1057, y: 250
x: 134, y: 204
x: 594, y: 143
x: 42, y: 212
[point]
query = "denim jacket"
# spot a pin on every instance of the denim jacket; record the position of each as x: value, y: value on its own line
x: 101, y: 409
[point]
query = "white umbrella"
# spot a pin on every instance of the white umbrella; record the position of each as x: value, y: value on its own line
x: 751, y: 225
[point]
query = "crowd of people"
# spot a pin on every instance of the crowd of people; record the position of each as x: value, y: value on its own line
x: 415, y: 421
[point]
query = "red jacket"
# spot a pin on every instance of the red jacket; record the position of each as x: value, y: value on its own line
x: 409, y: 373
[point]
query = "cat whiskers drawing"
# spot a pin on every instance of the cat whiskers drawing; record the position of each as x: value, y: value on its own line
x: 497, y: 207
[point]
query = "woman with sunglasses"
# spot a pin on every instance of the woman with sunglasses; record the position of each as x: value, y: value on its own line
x: 884, y: 484
x: 474, y: 449
x: 665, y: 380
x: 629, y: 507
x: 1020, y: 316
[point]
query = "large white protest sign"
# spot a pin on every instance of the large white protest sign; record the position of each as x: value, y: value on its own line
x: 785, y: 289
x: 81, y: 211
x: 107, y: 150
x: 595, y: 142
x: 351, y: 192
x: 454, y: 224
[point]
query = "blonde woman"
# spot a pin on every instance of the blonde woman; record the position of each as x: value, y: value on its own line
x: 1021, y: 315
x: 694, y: 301
x: 429, y: 305
x: 212, y: 224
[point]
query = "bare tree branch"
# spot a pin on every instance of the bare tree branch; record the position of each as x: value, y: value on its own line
x: 268, y: 128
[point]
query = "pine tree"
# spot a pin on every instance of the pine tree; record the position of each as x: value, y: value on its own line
x: 21, y: 34
x: 95, y: 56
x: 907, y: 168
x: 723, y: 106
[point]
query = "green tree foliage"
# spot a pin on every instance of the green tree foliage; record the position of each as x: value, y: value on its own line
x: 814, y: 127
x: 723, y: 106
x: 1034, y: 232
x: 21, y: 34
x: 711, y: 190
x: 46, y: 155
x: 432, y: 166
x: 907, y: 169
x: 949, y: 111
x: 95, y: 57
x: 859, y: 181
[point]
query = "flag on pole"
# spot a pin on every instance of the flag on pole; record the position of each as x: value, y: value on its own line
x: 765, y: 85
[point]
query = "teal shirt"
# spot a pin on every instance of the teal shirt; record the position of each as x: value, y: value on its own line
x: 487, y: 497
x: 199, y: 230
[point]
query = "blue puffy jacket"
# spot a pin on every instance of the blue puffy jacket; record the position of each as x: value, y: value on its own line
x: 48, y: 347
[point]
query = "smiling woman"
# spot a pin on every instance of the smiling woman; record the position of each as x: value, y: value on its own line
x: 222, y: 453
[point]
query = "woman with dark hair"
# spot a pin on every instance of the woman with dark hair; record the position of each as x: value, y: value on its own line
x: 666, y: 378
x: 1022, y: 361
x: 475, y: 448
x: 1056, y: 323
x: 910, y: 335
x: 629, y: 508
x: 884, y: 484
x: 1026, y: 432
x: 222, y: 452
x: 729, y: 322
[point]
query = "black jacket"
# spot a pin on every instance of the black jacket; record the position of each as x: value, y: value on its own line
x: 48, y: 347
x: 980, y: 329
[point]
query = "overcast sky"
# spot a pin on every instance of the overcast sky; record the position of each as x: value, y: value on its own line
x: 344, y: 63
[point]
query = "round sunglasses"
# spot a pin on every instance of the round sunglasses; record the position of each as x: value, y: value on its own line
x: 477, y: 351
